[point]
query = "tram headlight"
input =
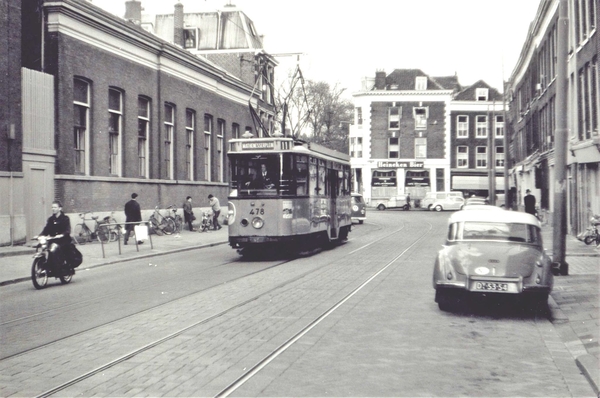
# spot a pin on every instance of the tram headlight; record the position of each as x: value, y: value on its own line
x: 258, y: 222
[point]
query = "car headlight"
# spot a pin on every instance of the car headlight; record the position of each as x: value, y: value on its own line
x: 258, y: 222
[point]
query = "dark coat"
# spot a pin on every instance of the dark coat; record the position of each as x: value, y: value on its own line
x: 58, y: 225
x: 133, y: 213
x: 530, y: 204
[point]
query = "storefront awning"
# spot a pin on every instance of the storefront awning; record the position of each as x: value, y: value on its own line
x: 475, y: 182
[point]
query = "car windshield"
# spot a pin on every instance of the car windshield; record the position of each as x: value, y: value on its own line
x: 357, y: 199
x: 510, y: 232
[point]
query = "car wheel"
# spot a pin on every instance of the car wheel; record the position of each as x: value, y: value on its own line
x: 538, y: 301
x: 381, y: 207
x: 428, y: 207
x: 438, y: 208
x: 360, y: 221
x: 447, y: 301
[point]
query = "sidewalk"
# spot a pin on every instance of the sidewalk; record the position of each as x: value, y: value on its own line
x: 575, y: 305
x: 15, y: 261
x: 574, y: 302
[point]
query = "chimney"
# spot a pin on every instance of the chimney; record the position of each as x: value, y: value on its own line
x: 380, y: 80
x: 133, y: 11
x: 178, y: 24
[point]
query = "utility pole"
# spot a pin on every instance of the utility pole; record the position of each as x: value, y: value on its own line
x: 491, y: 156
x: 560, y: 150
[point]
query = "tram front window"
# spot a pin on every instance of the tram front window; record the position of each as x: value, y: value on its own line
x: 255, y: 175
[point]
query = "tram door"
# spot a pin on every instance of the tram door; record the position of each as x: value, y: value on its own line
x: 333, y: 192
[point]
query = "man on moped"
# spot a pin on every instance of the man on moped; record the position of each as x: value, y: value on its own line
x: 58, y: 226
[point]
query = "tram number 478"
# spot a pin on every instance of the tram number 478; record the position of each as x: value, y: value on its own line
x: 257, y: 212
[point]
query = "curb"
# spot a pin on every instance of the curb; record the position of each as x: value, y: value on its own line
x: 122, y: 260
x: 587, y: 364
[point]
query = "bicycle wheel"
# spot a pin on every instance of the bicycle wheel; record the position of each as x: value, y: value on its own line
x: 103, y: 233
x: 168, y: 225
x: 82, y: 234
x: 155, y: 228
x: 114, y: 233
x: 178, y: 224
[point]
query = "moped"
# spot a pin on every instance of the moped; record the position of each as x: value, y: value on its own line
x: 42, y: 268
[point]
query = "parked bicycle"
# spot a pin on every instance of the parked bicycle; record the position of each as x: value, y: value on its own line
x: 102, y: 232
x: 176, y: 219
x: 592, y: 235
x: 161, y: 225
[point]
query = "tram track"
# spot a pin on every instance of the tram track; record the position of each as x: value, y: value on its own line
x: 240, y: 380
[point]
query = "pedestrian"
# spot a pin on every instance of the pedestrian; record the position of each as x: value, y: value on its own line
x: 408, y: 200
x: 529, y: 202
x: 133, y: 214
x: 188, y: 213
x: 216, y: 209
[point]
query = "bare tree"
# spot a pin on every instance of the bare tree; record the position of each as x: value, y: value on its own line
x: 316, y: 112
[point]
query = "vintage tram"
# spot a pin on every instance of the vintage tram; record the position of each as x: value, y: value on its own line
x: 287, y: 194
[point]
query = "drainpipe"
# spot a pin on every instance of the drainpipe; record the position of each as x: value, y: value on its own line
x: 560, y: 150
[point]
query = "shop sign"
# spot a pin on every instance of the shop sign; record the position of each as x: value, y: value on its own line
x: 383, y: 182
x: 258, y: 145
x: 391, y: 164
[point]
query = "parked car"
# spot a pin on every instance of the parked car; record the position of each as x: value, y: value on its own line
x: 474, y: 200
x: 393, y: 202
x: 359, y: 208
x: 500, y: 200
x: 448, y: 203
x: 492, y: 253
x: 481, y: 207
x: 431, y: 197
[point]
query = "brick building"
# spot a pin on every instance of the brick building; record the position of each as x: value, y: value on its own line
x: 110, y: 108
x: 406, y: 132
x: 477, y: 138
x: 531, y: 121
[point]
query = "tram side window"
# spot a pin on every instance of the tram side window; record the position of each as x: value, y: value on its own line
x: 301, y: 175
x: 323, y: 188
x: 313, y: 185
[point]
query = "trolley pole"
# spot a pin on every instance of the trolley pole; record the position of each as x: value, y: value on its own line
x: 560, y: 150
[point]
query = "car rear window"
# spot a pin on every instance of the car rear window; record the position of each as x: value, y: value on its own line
x: 510, y: 232
x: 357, y: 199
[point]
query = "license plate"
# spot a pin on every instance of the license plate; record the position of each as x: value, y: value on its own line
x: 491, y: 286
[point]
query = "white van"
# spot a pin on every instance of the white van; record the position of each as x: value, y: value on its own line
x: 431, y: 197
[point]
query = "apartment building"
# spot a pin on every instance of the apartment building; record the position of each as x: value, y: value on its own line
x: 414, y: 133
x: 531, y: 120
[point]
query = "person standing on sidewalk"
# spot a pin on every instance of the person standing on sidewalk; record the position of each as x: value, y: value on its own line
x: 529, y: 203
x: 188, y: 213
x: 216, y: 209
x: 133, y: 213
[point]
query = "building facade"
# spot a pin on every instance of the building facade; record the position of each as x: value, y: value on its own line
x: 531, y: 120
x: 110, y: 108
x: 408, y: 127
x: 477, y: 140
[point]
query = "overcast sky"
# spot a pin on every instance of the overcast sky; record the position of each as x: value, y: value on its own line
x: 343, y: 41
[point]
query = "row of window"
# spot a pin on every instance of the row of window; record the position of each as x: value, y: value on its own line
x: 481, y: 126
x: 585, y: 13
x: 481, y: 157
x: 587, y: 100
x: 81, y: 144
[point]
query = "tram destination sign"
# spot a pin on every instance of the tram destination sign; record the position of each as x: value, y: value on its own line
x: 258, y: 145
x: 399, y: 165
